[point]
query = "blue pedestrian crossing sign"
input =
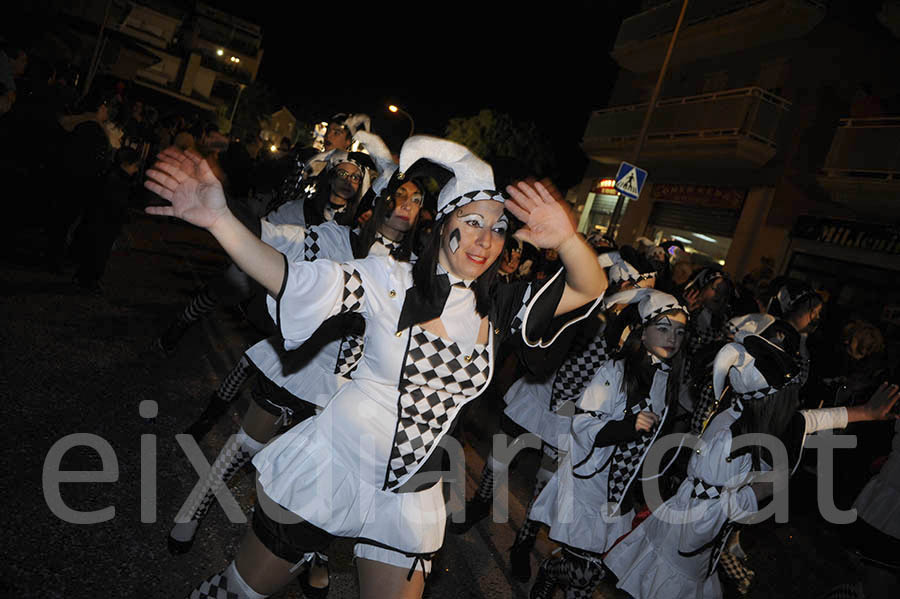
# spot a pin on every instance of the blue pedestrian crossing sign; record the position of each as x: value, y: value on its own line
x: 630, y: 180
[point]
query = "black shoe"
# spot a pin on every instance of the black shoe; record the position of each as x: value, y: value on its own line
x: 215, y: 407
x: 310, y: 591
x: 476, y: 511
x: 543, y: 586
x: 168, y: 341
x: 520, y: 561
x: 177, y: 547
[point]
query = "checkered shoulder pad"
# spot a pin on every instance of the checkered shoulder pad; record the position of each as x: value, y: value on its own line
x: 353, y: 297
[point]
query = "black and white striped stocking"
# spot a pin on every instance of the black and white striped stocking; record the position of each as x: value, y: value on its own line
x: 239, y: 449
x: 492, y: 468
x: 200, y: 305
x: 574, y: 572
x: 235, y: 379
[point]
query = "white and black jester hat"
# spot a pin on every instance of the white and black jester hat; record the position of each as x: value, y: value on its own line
x: 620, y: 270
x: 472, y: 180
x: 353, y: 123
x: 754, y: 366
x: 650, y: 302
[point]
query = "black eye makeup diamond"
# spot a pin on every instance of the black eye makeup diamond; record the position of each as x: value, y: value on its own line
x: 454, y: 240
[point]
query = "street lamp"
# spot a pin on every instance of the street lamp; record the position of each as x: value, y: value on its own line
x: 234, y: 108
x: 412, y: 124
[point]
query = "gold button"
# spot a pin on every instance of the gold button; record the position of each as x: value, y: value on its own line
x: 468, y: 358
x: 399, y: 333
x: 392, y: 293
x: 698, y: 452
x: 497, y: 331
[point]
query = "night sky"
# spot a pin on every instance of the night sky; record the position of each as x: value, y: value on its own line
x: 548, y: 63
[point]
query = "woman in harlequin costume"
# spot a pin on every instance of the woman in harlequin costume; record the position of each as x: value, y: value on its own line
x: 544, y: 407
x: 588, y: 504
x: 315, y: 192
x: 674, y: 552
x: 431, y: 330
x: 313, y: 372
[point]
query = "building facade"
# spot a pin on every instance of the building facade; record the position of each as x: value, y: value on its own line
x: 775, y: 126
x: 201, y: 56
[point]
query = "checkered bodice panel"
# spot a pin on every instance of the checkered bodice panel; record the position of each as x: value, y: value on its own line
x: 437, y: 380
x: 573, y: 376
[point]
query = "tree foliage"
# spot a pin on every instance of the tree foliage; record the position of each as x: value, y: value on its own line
x: 496, y: 135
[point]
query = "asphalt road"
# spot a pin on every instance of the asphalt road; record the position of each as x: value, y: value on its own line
x: 81, y: 363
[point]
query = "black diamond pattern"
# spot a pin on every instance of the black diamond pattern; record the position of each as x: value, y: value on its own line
x: 437, y: 380
x: 577, y: 370
x: 311, y: 246
x: 215, y: 587
x: 704, y: 490
x: 350, y: 352
x: 626, y: 458
x: 353, y: 290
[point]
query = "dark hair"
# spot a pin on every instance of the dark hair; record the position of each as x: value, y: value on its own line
x: 127, y: 155
x: 634, y: 357
x: 426, y: 265
x: 314, y: 206
x: 382, y: 208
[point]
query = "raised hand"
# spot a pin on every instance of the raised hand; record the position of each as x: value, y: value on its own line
x: 879, y: 405
x: 547, y: 223
x: 692, y: 299
x: 185, y: 179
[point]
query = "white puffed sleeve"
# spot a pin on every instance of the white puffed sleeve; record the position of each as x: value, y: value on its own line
x: 311, y: 293
x: 596, y: 409
x: 287, y: 239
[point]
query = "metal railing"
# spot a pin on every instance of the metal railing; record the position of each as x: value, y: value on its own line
x: 865, y: 148
x: 661, y: 19
x: 748, y: 111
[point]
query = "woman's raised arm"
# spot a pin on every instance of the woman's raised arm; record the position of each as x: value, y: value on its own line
x: 547, y: 225
x: 185, y: 180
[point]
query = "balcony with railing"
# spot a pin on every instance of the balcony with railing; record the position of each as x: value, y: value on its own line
x: 710, y: 28
x: 731, y: 128
x: 863, y: 164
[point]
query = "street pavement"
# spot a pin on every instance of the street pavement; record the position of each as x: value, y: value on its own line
x: 81, y: 363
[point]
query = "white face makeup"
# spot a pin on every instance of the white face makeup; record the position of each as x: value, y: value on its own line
x: 472, y: 238
x: 665, y: 335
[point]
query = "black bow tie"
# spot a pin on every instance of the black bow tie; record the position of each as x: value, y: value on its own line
x: 390, y: 244
x: 418, y: 309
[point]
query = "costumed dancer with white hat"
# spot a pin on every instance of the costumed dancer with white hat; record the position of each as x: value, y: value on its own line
x: 318, y: 368
x: 314, y: 193
x: 674, y: 552
x: 431, y: 331
x: 346, y: 173
x: 588, y: 504
x: 544, y: 406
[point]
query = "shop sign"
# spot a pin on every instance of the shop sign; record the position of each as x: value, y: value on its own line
x: 849, y: 234
x: 707, y: 196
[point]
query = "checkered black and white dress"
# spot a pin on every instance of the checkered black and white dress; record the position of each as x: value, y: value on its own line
x: 316, y: 371
x: 648, y: 563
x: 575, y: 503
x: 539, y: 406
x: 344, y: 470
